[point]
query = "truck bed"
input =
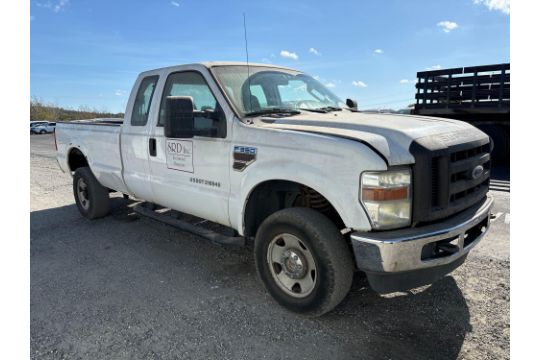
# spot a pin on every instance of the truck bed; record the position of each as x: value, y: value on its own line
x: 99, y: 141
x: 479, y: 95
x: 100, y: 121
x: 469, y: 90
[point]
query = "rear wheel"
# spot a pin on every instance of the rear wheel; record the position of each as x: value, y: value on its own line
x: 43, y: 132
x: 303, y: 261
x: 91, y: 197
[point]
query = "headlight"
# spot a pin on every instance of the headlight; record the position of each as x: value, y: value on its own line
x: 386, y: 197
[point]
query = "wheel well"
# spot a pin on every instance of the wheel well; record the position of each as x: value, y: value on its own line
x: 76, y: 159
x: 271, y: 196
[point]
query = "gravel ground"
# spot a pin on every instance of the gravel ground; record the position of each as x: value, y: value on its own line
x: 126, y: 287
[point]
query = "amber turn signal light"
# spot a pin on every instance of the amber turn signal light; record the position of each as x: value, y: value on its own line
x: 382, y: 194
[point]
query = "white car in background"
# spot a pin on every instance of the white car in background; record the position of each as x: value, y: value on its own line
x: 42, y: 127
x: 33, y: 124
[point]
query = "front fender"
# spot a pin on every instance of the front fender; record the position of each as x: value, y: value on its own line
x: 342, y: 193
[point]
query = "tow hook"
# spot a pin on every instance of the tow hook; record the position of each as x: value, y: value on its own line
x: 447, y: 248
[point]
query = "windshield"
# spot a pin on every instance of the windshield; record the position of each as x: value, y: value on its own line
x: 271, y: 89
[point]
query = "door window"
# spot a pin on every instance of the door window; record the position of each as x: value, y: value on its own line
x: 141, y: 108
x: 208, y: 115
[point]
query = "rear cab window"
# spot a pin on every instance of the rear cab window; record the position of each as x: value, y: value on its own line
x: 143, y: 100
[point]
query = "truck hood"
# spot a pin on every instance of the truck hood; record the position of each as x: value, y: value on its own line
x: 388, y: 134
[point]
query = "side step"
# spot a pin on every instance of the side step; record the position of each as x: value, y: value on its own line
x: 193, y: 229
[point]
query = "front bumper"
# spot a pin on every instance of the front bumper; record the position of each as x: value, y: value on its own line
x: 407, y: 258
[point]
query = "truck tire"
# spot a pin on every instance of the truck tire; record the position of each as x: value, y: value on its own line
x: 303, y: 261
x: 91, y: 197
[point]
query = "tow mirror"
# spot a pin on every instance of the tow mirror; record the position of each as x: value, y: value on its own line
x: 352, y: 104
x: 179, y: 118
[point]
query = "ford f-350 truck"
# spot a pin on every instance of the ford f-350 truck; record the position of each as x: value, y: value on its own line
x: 321, y: 189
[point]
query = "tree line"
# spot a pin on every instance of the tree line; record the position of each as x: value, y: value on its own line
x: 40, y: 110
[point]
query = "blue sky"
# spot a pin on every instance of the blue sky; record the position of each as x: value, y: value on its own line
x: 89, y: 52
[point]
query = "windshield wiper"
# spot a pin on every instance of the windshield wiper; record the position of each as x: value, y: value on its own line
x: 273, y: 111
x: 323, y: 110
x: 331, y: 108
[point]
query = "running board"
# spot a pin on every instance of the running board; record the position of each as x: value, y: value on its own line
x: 193, y: 229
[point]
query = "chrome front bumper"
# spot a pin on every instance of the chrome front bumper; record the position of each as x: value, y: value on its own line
x: 418, y: 256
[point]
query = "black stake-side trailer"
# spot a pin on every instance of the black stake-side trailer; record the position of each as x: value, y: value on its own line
x: 479, y: 95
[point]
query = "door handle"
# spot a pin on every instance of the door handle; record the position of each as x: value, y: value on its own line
x: 152, y: 146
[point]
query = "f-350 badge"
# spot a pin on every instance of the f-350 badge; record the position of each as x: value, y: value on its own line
x: 243, y: 156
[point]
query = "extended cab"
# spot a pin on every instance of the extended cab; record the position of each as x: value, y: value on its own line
x: 322, y: 189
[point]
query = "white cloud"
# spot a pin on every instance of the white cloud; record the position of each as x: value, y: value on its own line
x: 266, y: 60
x: 119, y: 93
x: 317, y: 77
x: 330, y: 85
x: 359, y: 83
x: 60, y: 5
x: 55, y: 7
x: 447, y: 26
x: 314, y: 51
x: 175, y: 3
x: 288, y: 55
x: 378, y: 51
x: 497, y: 5
x: 434, y: 67
x: 405, y: 81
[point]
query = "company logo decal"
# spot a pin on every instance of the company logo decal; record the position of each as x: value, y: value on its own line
x: 179, y: 155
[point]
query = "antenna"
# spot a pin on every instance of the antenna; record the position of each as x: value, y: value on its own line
x: 247, y: 63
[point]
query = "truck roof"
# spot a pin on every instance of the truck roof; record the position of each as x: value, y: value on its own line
x: 211, y: 64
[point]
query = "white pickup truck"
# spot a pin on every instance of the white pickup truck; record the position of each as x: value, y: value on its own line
x: 322, y: 189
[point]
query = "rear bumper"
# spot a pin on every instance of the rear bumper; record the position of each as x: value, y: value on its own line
x: 407, y: 258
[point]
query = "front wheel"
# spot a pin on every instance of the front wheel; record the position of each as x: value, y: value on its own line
x: 91, y: 197
x: 303, y: 261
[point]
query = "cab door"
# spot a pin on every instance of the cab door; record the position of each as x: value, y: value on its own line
x: 192, y: 175
x: 134, y: 139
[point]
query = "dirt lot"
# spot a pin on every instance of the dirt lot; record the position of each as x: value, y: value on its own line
x: 126, y: 287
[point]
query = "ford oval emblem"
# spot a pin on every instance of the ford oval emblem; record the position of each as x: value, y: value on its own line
x: 477, y: 172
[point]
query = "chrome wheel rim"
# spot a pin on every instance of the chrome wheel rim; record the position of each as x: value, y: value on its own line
x: 82, y: 193
x: 292, y: 265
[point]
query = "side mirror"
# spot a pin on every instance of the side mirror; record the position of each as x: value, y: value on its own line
x: 352, y: 104
x: 179, y: 118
